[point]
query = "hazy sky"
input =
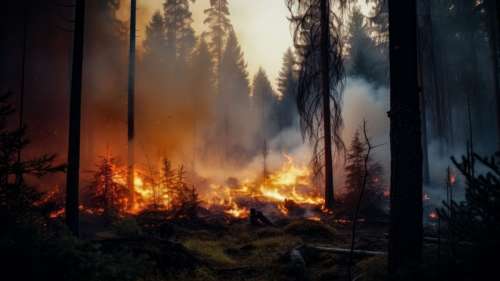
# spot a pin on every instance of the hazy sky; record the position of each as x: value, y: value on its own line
x: 261, y: 25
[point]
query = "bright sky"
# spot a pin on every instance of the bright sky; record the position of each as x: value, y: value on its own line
x: 261, y: 25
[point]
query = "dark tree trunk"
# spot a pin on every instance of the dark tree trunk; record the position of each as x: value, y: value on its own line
x: 131, y: 100
x: 492, y: 8
x: 405, y: 245
x: 428, y: 89
x: 73, y: 175
x: 325, y: 88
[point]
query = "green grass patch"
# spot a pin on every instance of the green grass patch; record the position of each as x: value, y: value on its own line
x: 213, y: 251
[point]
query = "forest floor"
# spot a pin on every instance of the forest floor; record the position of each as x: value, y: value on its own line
x: 232, y: 249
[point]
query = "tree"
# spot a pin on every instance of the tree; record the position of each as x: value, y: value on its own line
x: 104, y: 192
x: 155, y: 44
x: 180, y: 37
x: 363, y: 50
x: 476, y: 219
x: 355, y: 171
x: 219, y: 27
x: 73, y: 175
x: 405, y: 244
x: 493, y: 27
x: 16, y: 198
x: 317, y: 40
x: 202, y: 86
x: 233, y: 99
x: 264, y: 103
x: 131, y: 100
x: 287, y: 88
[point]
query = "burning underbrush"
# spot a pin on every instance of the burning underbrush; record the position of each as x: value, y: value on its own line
x: 288, y: 191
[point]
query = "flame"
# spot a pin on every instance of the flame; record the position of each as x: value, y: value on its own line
x: 433, y: 215
x: 290, y: 182
x: 289, y: 185
x: 452, y: 179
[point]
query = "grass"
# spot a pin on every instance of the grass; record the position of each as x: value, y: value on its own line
x: 212, y: 251
x: 310, y: 230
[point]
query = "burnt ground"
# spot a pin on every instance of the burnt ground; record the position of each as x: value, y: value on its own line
x: 220, y: 248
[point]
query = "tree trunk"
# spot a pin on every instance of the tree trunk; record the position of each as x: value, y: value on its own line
x: 73, y: 175
x: 131, y: 99
x: 405, y: 245
x: 426, y: 73
x: 325, y: 88
x: 492, y: 8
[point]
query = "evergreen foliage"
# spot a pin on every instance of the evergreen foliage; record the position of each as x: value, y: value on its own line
x: 372, y: 201
x: 365, y: 57
x: 105, y: 192
x: 287, y: 88
x: 180, y: 36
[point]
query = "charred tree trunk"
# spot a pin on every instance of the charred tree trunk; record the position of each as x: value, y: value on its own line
x: 492, y: 8
x: 428, y: 89
x: 19, y: 176
x: 405, y: 245
x: 131, y: 100
x: 325, y: 88
x: 73, y: 175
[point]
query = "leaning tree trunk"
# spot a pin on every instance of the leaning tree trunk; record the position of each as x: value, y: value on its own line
x: 73, y: 175
x: 131, y: 100
x: 405, y: 245
x: 325, y: 88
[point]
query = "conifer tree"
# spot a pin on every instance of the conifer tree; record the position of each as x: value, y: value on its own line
x: 219, y: 27
x: 362, y: 48
x: 355, y: 171
x: 105, y: 192
x: 155, y: 45
x: 233, y: 98
x: 264, y: 104
x: 180, y: 36
x: 287, y: 88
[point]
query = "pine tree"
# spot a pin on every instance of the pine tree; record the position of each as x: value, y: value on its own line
x: 219, y: 27
x: 476, y: 220
x: 264, y: 104
x: 355, y: 171
x: 155, y: 45
x: 19, y: 201
x: 362, y: 49
x: 287, y: 88
x: 168, y: 181
x: 233, y: 99
x: 180, y: 36
x: 105, y: 192
x: 202, y: 70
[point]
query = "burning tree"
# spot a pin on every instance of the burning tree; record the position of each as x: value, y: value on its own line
x: 355, y: 171
x: 184, y: 199
x: 108, y: 193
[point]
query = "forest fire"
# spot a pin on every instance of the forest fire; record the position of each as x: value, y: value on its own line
x: 282, y: 192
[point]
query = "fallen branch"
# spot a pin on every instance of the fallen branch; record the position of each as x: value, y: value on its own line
x: 343, y: 251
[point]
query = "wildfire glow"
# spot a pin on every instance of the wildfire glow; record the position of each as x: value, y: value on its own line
x: 289, y: 185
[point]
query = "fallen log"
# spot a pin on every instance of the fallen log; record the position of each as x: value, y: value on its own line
x: 344, y: 251
x: 437, y: 240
